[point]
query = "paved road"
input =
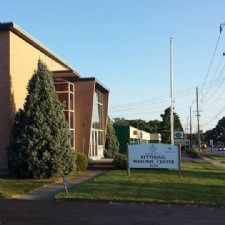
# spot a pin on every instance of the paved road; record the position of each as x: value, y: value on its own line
x: 214, y: 151
x: 23, y: 212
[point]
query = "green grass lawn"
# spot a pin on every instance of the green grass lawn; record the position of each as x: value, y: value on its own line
x: 201, y: 183
x: 214, y: 156
x: 10, y: 187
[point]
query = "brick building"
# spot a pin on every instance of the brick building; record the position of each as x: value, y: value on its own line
x: 86, y: 98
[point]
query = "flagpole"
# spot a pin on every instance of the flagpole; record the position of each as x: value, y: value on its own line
x: 171, y: 92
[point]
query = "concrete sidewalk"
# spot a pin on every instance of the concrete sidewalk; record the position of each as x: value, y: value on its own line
x: 213, y: 161
x: 186, y: 158
x: 48, y: 192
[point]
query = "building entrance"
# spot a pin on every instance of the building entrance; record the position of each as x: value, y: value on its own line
x: 96, y: 140
x: 96, y: 145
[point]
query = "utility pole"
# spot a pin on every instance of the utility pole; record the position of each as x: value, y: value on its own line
x: 187, y: 126
x: 198, y: 115
x: 186, y: 134
x: 190, y: 130
x: 171, y: 92
x: 221, y: 27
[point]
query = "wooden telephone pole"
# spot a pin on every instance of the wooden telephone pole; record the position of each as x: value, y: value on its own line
x: 190, y: 129
x: 198, y: 115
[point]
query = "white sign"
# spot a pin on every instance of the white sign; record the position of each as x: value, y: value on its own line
x: 211, y: 142
x: 153, y: 156
x: 178, y: 135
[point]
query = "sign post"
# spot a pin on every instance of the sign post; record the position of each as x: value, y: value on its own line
x: 65, y: 182
x: 211, y: 144
x: 179, y: 160
x: 128, y: 166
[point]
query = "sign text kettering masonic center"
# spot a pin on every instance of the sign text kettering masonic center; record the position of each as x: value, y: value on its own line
x: 153, y: 156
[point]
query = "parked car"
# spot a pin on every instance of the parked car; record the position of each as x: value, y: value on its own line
x: 221, y: 148
x: 204, y: 146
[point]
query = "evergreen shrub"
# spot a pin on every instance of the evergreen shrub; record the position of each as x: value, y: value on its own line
x: 120, y: 161
x: 112, y: 143
x: 40, y: 145
x: 107, y: 154
x: 191, y: 153
x: 81, y: 162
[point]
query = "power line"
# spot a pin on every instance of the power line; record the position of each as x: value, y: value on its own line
x: 150, y: 102
x: 210, y: 90
x: 218, y: 82
x: 211, y: 62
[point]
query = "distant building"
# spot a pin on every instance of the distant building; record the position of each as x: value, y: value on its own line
x: 86, y: 98
x: 130, y: 135
x: 155, y: 138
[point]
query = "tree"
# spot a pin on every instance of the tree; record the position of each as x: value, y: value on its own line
x: 40, y: 137
x: 151, y: 126
x: 121, y: 121
x: 112, y: 143
x: 216, y: 134
x: 165, y: 126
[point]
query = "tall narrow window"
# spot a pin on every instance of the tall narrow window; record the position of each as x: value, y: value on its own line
x: 65, y: 91
x: 96, y: 147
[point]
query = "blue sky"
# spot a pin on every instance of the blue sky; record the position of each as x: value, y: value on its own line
x: 125, y: 44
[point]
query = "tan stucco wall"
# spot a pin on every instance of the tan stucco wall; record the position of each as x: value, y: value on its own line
x: 23, y: 62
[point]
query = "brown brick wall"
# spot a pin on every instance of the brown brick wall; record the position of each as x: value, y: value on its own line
x: 5, y: 99
x: 105, y: 114
x: 84, y: 94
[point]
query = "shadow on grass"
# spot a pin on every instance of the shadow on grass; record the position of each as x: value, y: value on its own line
x: 202, y: 174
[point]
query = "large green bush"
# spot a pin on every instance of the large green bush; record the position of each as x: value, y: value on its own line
x: 112, y: 143
x: 81, y: 162
x: 191, y: 152
x: 120, y: 161
x: 40, y: 138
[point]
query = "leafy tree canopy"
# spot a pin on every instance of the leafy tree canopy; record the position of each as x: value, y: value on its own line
x: 165, y: 126
x: 217, y: 134
x: 148, y: 126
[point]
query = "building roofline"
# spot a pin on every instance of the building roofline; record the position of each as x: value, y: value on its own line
x: 102, y: 85
x: 98, y: 84
x: 64, y: 73
x: 74, y: 79
x: 31, y: 40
